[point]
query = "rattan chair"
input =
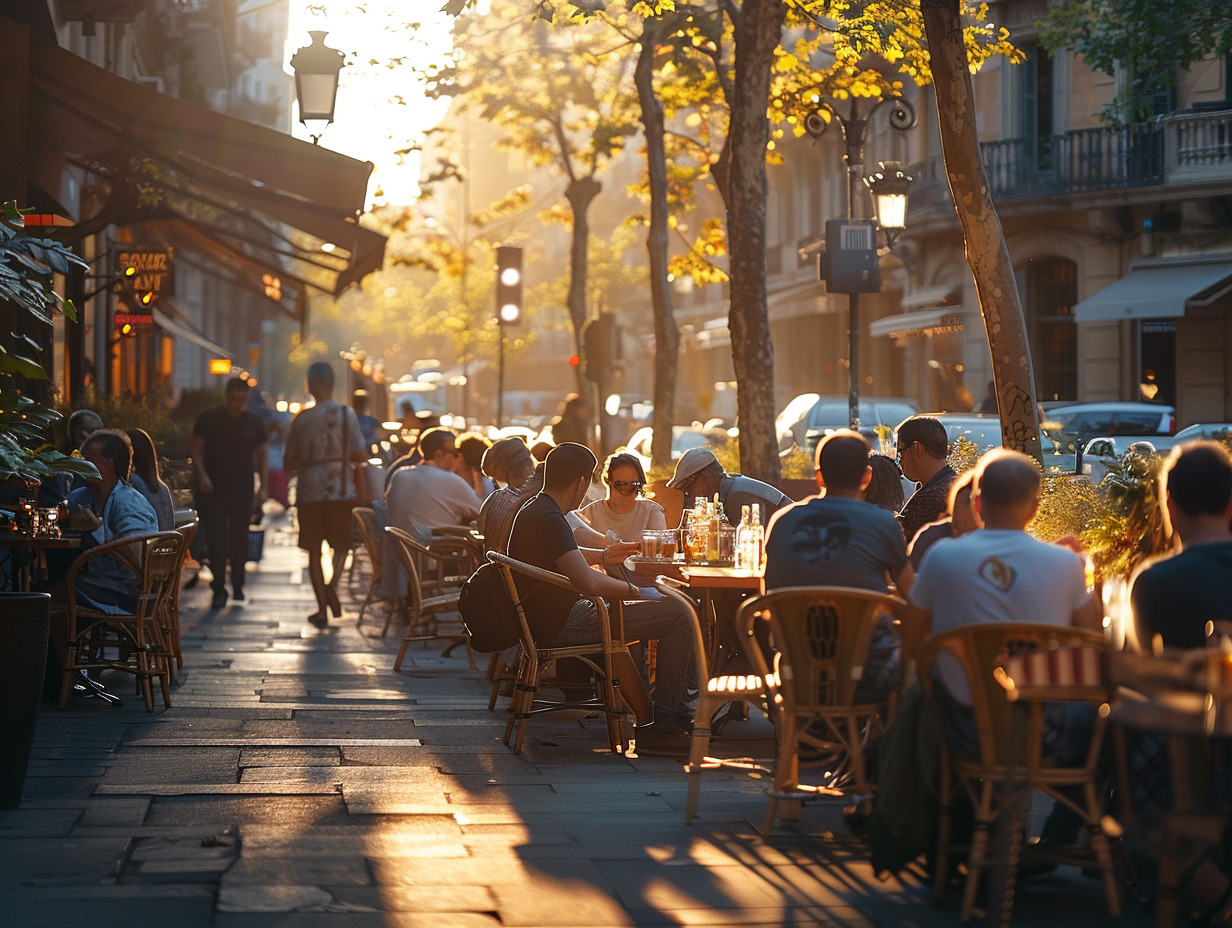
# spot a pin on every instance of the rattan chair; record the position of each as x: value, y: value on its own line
x: 714, y: 693
x: 135, y: 638
x: 1011, y: 760
x: 617, y: 679
x: 364, y: 519
x: 823, y: 635
x: 421, y: 611
x: 171, y: 613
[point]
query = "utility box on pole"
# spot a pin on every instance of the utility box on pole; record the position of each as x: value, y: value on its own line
x: 850, y: 264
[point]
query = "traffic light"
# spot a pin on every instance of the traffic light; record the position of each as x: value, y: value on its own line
x: 508, y: 285
x: 599, y: 347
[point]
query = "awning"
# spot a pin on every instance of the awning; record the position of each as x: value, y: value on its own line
x: 931, y: 296
x: 282, y: 204
x: 940, y: 321
x: 1160, y: 290
x: 163, y: 319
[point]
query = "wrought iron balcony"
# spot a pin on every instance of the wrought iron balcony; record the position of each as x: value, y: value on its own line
x: 1184, y: 147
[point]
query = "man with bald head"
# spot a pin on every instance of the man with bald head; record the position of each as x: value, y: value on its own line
x: 999, y: 573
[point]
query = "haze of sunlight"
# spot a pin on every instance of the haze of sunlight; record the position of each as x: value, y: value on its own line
x: 381, y: 113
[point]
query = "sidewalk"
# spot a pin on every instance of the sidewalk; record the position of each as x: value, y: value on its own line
x: 298, y: 781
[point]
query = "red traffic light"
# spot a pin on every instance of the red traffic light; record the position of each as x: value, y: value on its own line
x: 574, y: 360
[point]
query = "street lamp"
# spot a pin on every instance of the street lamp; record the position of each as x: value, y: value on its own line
x: 316, y: 68
x: 889, y: 186
x: 849, y: 265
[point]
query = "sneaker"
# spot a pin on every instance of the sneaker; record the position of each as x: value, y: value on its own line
x: 238, y: 595
x: 662, y: 741
x: 219, y: 600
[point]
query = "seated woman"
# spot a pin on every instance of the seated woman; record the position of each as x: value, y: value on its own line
x: 145, y: 479
x: 473, y: 447
x: 623, y: 510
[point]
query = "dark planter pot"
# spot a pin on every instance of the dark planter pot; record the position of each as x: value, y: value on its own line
x: 24, y: 618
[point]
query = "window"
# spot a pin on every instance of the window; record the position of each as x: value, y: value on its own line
x: 1050, y: 288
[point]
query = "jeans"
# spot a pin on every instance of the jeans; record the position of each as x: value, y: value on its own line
x: 224, y: 519
x: 646, y: 620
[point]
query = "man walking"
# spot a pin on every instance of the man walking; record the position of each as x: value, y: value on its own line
x: 322, y: 448
x: 227, y: 447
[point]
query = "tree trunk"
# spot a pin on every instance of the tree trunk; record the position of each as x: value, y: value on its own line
x: 667, y: 336
x: 757, y: 33
x: 580, y: 193
x: 987, y: 253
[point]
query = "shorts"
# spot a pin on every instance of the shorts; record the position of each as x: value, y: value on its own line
x: 326, y: 520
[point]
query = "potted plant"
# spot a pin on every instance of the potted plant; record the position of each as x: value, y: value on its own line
x: 28, y: 266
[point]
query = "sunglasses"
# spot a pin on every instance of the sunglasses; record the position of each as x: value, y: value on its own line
x: 627, y: 486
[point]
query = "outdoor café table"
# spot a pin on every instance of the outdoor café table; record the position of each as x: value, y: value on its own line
x: 36, y: 546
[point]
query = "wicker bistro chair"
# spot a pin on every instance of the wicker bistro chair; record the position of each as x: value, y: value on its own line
x: 617, y: 678
x: 421, y: 611
x: 364, y: 519
x: 1006, y: 663
x: 714, y: 693
x: 170, y: 615
x: 823, y: 635
x: 137, y: 637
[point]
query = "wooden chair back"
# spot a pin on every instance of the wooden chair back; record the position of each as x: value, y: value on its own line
x: 982, y: 652
x: 823, y: 635
x: 364, y: 518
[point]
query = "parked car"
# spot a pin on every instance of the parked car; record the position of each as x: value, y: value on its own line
x: 807, y: 423
x: 1214, y: 431
x: 1068, y: 426
x: 684, y: 437
x: 985, y: 433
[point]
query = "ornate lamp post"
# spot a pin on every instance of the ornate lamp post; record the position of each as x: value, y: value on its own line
x: 316, y: 68
x: 848, y: 269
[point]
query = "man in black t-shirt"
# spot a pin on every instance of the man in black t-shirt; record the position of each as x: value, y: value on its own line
x: 228, y: 445
x: 1175, y: 597
x: 542, y: 537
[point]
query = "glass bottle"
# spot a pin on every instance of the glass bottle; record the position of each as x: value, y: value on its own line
x: 742, y: 539
x: 758, y: 541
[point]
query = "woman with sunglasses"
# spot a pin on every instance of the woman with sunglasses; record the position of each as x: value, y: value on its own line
x: 623, y: 510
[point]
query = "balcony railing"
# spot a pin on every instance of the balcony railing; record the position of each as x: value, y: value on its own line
x: 1181, y: 148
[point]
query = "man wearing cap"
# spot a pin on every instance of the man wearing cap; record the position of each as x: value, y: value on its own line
x: 699, y: 474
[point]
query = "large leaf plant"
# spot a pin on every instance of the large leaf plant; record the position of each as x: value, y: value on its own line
x: 28, y: 266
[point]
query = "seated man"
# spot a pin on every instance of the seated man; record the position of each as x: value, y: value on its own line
x: 1175, y: 596
x: 838, y: 539
x: 922, y: 451
x: 699, y: 474
x: 999, y: 573
x: 958, y: 520
x: 541, y: 536
x: 430, y: 494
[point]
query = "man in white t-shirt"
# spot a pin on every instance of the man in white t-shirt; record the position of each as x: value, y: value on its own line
x: 999, y: 573
x: 430, y: 495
